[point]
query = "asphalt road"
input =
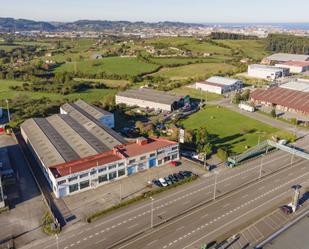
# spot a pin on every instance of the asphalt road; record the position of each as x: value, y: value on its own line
x: 107, y: 231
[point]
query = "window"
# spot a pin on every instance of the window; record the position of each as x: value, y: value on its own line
x: 159, y: 161
x: 112, y: 175
x: 120, y: 164
x: 132, y: 161
x: 166, y: 159
x: 121, y: 172
x: 93, y: 172
x: 174, y: 156
x: 72, y: 178
x: 83, y: 175
x: 143, y: 158
x: 160, y: 152
x: 112, y: 166
x: 103, y: 178
x: 84, y: 184
x: 152, y: 155
x: 175, y: 148
x: 61, y: 182
x: 73, y: 187
x: 102, y: 169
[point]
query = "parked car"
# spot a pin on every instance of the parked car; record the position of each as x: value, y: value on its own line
x: 163, y: 182
x: 186, y: 173
x: 173, y: 178
x: 168, y: 180
x: 157, y: 183
x: 180, y: 176
x: 286, y: 209
x: 175, y: 163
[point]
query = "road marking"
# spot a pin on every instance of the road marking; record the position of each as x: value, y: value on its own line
x: 179, y: 228
x: 205, y: 215
x: 152, y: 242
x: 245, y: 196
x: 99, y: 241
x: 130, y: 227
x: 226, y: 205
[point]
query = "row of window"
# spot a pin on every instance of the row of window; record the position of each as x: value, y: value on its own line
x: 103, y: 178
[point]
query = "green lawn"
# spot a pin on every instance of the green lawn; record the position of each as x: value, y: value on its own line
x: 110, y: 65
x: 196, y: 93
x: 89, y: 95
x: 254, y: 49
x: 107, y: 82
x: 230, y: 129
x: 184, y: 60
x: 194, y: 70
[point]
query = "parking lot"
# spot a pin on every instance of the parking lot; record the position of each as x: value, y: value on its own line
x: 23, y: 219
x: 110, y: 194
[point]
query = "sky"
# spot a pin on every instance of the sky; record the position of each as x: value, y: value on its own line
x: 197, y: 11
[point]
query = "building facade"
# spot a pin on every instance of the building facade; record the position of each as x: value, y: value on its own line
x: 295, y: 66
x: 267, y: 72
x: 219, y: 85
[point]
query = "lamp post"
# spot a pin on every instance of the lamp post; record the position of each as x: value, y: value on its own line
x: 8, y: 110
x: 215, y: 186
x: 151, y: 211
x: 261, y: 166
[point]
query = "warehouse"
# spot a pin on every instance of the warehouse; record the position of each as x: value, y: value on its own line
x: 219, y: 85
x: 283, y: 57
x: 295, y: 66
x: 150, y: 98
x: 76, y: 152
x: 104, y: 117
x: 283, y: 99
x: 266, y: 72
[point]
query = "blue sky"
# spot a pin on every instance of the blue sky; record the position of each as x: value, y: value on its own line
x: 159, y: 10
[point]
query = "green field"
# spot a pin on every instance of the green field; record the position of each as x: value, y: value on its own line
x: 196, y: 93
x: 230, y: 129
x: 254, y: 49
x: 110, y: 65
x: 194, y: 70
x: 89, y: 95
x: 184, y: 61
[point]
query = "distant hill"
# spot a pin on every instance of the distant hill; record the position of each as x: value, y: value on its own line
x: 12, y: 25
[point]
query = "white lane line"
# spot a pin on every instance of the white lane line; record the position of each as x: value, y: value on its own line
x: 152, y: 242
x: 99, y: 241
x: 226, y: 205
x: 205, y: 215
x: 179, y: 228
x: 130, y: 227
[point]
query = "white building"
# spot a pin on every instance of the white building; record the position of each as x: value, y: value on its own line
x: 219, y: 85
x: 104, y: 117
x: 301, y: 85
x: 295, y: 66
x: 148, y: 98
x: 284, y: 57
x: 266, y: 72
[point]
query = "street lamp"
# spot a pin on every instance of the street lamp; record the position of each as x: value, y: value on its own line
x: 215, y: 186
x: 57, y: 241
x: 8, y: 110
x: 151, y: 211
x: 261, y: 166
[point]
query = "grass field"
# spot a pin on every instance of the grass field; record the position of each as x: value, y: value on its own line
x: 251, y: 48
x: 110, y: 65
x: 196, y: 93
x: 90, y: 95
x: 194, y: 70
x: 107, y: 82
x: 184, y: 61
x: 230, y: 129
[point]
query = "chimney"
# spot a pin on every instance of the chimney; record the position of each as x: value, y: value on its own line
x: 141, y: 141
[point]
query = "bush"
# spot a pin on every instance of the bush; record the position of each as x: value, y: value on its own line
x: 222, y: 154
x: 48, y: 224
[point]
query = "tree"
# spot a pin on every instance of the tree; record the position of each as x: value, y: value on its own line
x: 222, y: 154
x: 273, y: 113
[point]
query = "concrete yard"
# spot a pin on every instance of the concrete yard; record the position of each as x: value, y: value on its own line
x: 108, y: 195
x: 22, y: 221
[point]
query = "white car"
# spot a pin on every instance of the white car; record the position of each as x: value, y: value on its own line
x: 163, y: 182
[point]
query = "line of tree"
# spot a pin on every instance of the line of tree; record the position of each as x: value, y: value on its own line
x: 287, y: 44
x: 231, y: 36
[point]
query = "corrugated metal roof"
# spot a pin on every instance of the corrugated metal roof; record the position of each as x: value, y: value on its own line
x: 265, y: 67
x: 299, y: 85
x: 222, y: 80
x: 288, y: 57
x: 150, y: 95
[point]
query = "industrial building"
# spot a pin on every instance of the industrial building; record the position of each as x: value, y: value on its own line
x: 76, y: 152
x: 150, y: 98
x: 219, y: 85
x: 284, y: 57
x: 267, y: 72
x: 105, y: 117
x: 290, y: 97
x: 295, y: 66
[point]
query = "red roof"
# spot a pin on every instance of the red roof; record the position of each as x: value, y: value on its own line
x: 296, y: 63
x: 134, y: 149
x: 118, y: 153
x: 292, y: 99
x: 84, y: 163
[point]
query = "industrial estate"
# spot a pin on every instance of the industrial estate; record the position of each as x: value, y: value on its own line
x: 163, y: 135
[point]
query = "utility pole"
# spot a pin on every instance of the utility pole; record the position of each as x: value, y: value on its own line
x: 215, y: 186
x: 8, y: 109
x: 261, y: 167
x: 151, y: 211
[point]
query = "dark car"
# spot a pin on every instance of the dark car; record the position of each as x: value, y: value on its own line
x: 173, y: 178
x: 157, y: 183
x: 186, y: 173
x: 179, y: 176
x: 286, y: 209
